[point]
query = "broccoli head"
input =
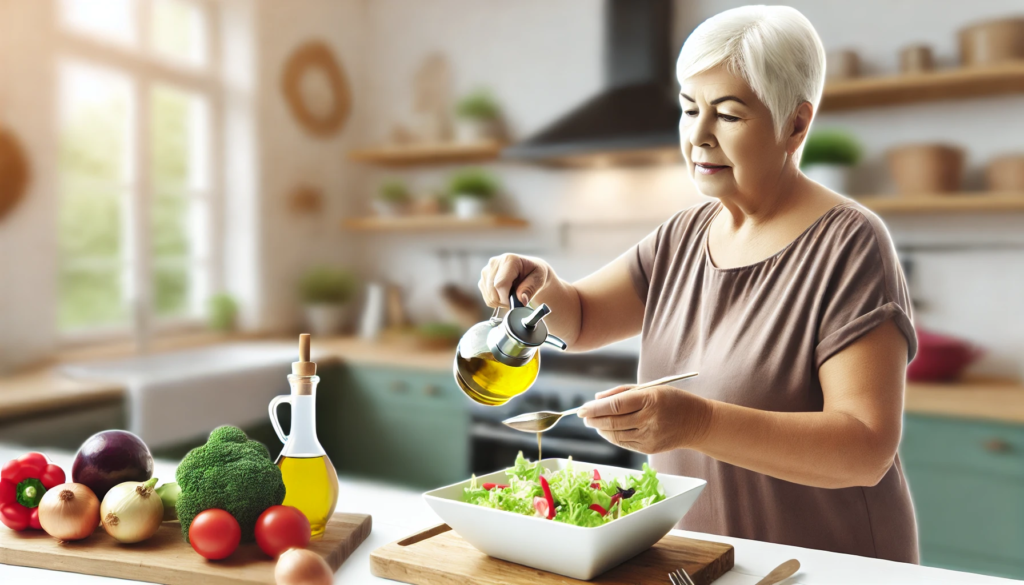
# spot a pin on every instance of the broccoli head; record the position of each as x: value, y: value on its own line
x: 232, y: 473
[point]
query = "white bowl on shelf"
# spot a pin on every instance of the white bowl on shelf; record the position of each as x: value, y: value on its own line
x: 573, y: 551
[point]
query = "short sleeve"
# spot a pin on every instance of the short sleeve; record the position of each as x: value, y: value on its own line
x: 866, y: 287
x: 640, y: 260
x: 658, y: 246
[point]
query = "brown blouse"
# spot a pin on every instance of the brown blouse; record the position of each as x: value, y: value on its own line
x: 758, y: 334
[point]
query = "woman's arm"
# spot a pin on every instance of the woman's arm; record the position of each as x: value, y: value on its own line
x: 852, y: 442
x: 599, y: 309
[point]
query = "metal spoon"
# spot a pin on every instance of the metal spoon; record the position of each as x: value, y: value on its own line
x: 538, y: 422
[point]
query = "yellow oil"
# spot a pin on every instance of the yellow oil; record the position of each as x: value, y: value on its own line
x: 311, y: 485
x: 490, y: 382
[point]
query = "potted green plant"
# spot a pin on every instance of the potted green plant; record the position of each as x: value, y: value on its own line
x: 393, y: 198
x: 828, y: 157
x: 325, y: 295
x: 477, y: 118
x: 471, y: 192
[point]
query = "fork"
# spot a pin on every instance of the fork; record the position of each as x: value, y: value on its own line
x: 680, y: 577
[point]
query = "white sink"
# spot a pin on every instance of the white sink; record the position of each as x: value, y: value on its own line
x: 182, y: 395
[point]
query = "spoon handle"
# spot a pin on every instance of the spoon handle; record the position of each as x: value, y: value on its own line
x: 665, y: 380
x: 657, y: 382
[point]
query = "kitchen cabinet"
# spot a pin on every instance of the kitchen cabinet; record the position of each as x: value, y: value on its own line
x: 399, y: 425
x: 967, y: 482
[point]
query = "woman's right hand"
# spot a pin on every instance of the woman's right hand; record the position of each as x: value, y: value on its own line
x: 531, y: 274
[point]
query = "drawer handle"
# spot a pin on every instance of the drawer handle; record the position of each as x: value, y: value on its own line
x: 998, y: 446
x: 399, y: 387
x: 432, y: 390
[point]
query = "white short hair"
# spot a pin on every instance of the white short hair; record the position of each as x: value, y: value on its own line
x: 773, y: 48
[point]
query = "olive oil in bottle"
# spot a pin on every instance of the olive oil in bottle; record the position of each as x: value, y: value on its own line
x: 490, y: 382
x: 310, y: 481
x: 318, y: 498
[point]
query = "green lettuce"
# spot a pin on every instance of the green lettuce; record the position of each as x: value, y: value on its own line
x: 572, y: 492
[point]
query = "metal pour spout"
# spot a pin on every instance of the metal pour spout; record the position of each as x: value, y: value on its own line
x: 535, y: 317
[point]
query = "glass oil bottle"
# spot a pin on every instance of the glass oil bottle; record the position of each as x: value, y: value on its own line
x: 310, y: 481
x: 498, y: 359
x: 488, y: 381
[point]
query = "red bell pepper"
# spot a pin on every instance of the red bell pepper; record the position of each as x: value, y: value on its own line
x: 490, y: 486
x: 599, y: 509
x: 597, y: 478
x: 547, y: 497
x: 23, y: 481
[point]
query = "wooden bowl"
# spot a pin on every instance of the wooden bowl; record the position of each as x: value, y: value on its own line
x: 991, y: 42
x: 1006, y: 173
x: 916, y: 59
x: 922, y: 169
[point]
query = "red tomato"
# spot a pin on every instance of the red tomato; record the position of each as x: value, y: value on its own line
x: 280, y: 528
x: 214, y: 534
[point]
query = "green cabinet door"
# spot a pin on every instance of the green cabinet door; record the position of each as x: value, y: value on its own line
x: 967, y: 482
x: 398, y: 425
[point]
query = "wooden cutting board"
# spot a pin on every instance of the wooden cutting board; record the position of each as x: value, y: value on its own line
x: 438, y: 556
x: 166, y: 558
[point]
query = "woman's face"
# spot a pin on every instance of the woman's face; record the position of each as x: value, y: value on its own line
x: 727, y: 135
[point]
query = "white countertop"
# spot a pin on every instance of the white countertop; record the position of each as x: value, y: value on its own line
x: 399, y: 512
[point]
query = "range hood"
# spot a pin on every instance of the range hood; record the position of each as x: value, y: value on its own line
x: 635, y: 119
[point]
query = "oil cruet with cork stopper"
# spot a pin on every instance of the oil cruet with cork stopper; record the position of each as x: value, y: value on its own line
x: 499, y: 359
x: 310, y: 481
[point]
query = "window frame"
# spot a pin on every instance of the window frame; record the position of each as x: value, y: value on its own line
x: 146, y: 69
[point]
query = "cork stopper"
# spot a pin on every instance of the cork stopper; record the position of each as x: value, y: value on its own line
x: 304, y: 367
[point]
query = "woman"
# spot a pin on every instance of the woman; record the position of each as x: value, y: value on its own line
x: 785, y: 296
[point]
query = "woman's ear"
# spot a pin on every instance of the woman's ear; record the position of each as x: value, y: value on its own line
x: 801, y: 124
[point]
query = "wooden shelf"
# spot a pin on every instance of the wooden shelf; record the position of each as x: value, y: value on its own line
x: 427, y: 154
x: 432, y: 222
x: 948, y: 84
x: 966, y: 202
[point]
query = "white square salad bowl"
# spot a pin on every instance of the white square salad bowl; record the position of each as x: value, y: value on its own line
x: 573, y: 551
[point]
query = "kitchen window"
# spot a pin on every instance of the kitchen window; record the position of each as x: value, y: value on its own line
x: 138, y: 113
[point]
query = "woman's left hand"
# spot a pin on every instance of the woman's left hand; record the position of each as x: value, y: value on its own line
x: 652, y: 420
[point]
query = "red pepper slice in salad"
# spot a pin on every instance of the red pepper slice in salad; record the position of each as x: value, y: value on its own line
x: 547, y: 497
x: 23, y: 481
x: 597, y: 478
x: 490, y: 486
x: 599, y: 509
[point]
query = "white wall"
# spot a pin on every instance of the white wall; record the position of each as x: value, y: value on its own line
x: 289, y: 157
x: 28, y: 241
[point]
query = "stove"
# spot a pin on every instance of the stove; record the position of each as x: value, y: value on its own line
x: 565, y: 381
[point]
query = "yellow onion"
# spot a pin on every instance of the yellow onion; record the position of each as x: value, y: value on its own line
x: 298, y: 566
x: 69, y: 511
x: 132, y: 511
